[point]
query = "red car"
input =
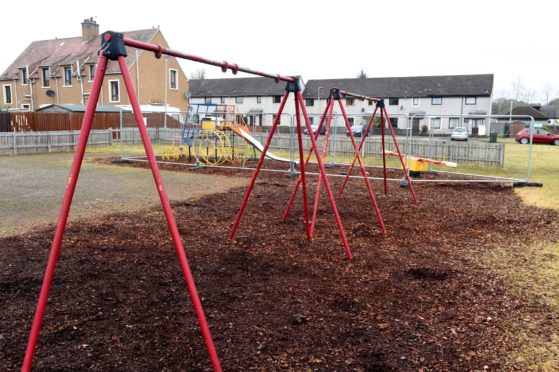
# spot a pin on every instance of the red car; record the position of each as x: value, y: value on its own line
x: 540, y: 136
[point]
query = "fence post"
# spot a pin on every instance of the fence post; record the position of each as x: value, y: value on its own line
x: 14, y: 142
x: 48, y: 142
x: 110, y: 136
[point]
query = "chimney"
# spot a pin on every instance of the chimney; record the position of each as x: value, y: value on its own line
x: 90, y: 29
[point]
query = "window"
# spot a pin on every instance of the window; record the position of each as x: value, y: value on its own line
x: 67, y: 76
x: 208, y: 100
x: 46, y: 76
x: 394, y: 122
x: 349, y: 101
x: 415, y: 102
x: 277, y: 99
x: 91, y: 72
x: 173, y: 79
x: 371, y: 103
x: 309, y: 102
x: 274, y: 116
x: 238, y: 99
x: 221, y: 99
x: 7, y: 94
x: 311, y: 120
x: 351, y: 121
x: 114, y: 94
x: 470, y: 100
x: 26, y: 106
x: 24, y: 76
x: 393, y: 101
x: 258, y: 99
x: 436, y: 100
x: 436, y: 123
x: 453, y: 123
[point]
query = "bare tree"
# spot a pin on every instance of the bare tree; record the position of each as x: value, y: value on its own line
x: 522, y: 94
x: 362, y: 74
x: 547, y: 93
x: 199, y: 74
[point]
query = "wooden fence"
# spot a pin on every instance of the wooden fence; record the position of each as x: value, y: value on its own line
x: 461, y: 152
x: 67, y: 121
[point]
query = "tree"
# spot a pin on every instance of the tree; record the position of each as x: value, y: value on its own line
x: 199, y: 74
x: 520, y: 93
x: 547, y: 93
x: 362, y: 74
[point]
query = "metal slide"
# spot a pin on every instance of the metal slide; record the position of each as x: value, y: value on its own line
x: 257, y: 144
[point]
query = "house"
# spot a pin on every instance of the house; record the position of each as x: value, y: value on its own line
x: 426, y: 100
x: 61, y: 72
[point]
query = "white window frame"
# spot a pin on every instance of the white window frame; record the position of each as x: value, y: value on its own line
x: 469, y: 97
x: 4, y: 94
x: 457, y: 124
x: 440, y: 123
x: 239, y: 100
x: 26, y: 106
x: 111, y: 91
x: 221, y: 99
x: 433, y: 100
x: 91, y: 65
x: 258, y: 99
x: 64, y: 77
x: 171, y: 70
x: 413, y: 104
x: 43, y: 77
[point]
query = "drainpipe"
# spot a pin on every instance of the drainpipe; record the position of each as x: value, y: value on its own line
x: 79, y: 77
x: 166, y: 83
x: 15, y: 90
x: 138, y: 74
x: 57, y: 92
x: 30, y: 88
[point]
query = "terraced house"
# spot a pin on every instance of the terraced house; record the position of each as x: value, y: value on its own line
x: 439, y: 103
x: 61, y: 72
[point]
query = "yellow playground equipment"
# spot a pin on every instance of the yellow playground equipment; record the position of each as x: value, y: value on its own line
x: 208, y: 133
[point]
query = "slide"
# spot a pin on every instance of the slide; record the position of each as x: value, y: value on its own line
x: 257, y: 144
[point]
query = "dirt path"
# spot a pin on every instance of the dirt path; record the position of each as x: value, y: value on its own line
x: 32, y: 187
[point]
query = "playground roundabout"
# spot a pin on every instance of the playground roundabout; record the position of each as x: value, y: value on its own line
x: 425, y: 296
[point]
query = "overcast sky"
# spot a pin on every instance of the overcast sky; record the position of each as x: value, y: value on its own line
x: 516, y: 41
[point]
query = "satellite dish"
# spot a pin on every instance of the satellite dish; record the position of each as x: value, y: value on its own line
x: 50, y: 93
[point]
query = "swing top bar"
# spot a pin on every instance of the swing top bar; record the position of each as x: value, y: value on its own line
x: 359, y: 96
x: 159, y: 51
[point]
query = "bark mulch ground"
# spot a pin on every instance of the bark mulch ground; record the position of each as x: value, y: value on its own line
x: 414, y: 299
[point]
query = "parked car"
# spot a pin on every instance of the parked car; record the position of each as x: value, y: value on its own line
x: 357, y: 130
x: 459, y: 134
x: 314, y: 128
x: 539, y: 136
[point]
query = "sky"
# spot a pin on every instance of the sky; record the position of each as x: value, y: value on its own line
x: 516, y: 41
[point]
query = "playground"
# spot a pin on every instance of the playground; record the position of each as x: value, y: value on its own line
x: 425, y: 285
x: 426, y: 295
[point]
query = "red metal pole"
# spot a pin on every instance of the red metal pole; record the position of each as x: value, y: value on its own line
x: 324, y: 148
x: 258, y: 166
x: 179, y: 249
x: 364, y: 136
x: 296, y: 188
x: 363, y: 170
x: 401, y: 157
x: 302, y: 163
x: 64, y: 211
x: 159, y: 50
x: 299, y: 97
x: 383, y: 150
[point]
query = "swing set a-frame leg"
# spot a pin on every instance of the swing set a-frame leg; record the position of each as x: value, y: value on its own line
x: 113, y: 46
